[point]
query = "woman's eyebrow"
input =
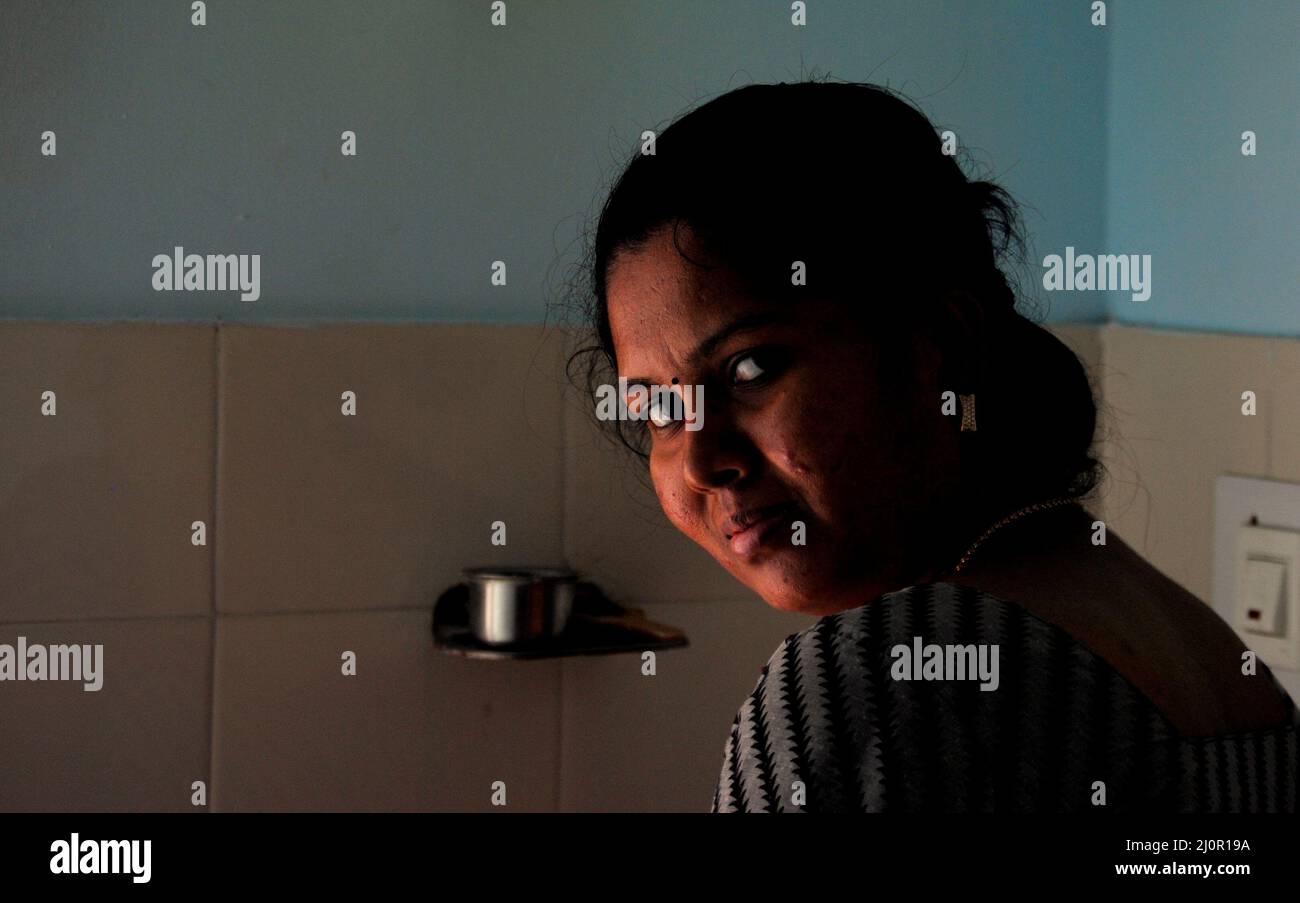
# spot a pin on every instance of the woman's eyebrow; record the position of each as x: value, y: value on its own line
x: 747, y: 323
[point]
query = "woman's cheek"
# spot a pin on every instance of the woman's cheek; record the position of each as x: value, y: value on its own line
x: 675, y: 498
x: 793, y: 459
x: 803, y: 423
x: 792, y: 441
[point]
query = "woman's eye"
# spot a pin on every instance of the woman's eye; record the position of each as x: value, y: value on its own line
x: 663, y: 411
x: 659, y: 415
x: 747, y: 368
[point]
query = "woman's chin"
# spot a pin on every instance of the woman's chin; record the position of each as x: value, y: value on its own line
x: 789, y: 580
x: 795, y: 590
x: 808, y: 590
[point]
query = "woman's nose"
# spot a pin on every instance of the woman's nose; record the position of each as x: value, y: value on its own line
x: 718, y: 454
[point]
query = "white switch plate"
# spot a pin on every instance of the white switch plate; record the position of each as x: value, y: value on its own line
x: 1274, y: 505
x: 1264, y: 585
x: 1282, y: 549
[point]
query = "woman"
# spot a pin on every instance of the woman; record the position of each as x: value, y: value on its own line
x: 887, y: 443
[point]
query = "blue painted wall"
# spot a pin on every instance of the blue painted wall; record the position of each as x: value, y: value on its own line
x: 479, y: 143
x: 1187, y: 78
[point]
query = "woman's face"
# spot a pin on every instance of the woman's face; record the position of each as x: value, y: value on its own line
x: 817, y: 473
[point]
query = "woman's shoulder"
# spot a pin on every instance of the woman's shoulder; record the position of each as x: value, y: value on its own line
x: 1168, y: 643
x: 946, y: 697
x: 892, y: 628
x: 931, y: 618
x: 928, y: 615
x: 933, y: 696
x: 927, y: 631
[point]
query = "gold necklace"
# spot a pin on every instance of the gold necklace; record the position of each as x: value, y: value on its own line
x: 1029, y: 509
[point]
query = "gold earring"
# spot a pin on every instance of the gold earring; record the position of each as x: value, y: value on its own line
x: 968, y: 413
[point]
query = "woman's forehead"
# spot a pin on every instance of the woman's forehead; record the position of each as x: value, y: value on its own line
x: 663, y: 309
x: 654, y: 285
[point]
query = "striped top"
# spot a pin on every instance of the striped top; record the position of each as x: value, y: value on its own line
x: 829, y: 728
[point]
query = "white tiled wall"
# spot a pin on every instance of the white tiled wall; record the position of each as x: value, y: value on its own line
x: 96, y: 502
x: 335, y: 534
x: 1175, y: 403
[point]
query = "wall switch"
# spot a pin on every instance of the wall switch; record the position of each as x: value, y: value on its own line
x: 1263, y: 597
x: 1267, y: 609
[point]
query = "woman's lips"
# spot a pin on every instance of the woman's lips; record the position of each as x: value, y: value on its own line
x: 761, y: 526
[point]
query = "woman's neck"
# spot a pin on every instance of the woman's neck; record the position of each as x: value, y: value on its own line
x: 1041, y: 542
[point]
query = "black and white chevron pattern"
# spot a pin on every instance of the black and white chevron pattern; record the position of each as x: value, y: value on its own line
x: 827, y: 713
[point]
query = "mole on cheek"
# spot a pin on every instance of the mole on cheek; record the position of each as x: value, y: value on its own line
x: 793, y: 462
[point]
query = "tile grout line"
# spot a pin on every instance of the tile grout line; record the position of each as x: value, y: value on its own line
x: 1274, y: 392
x: 559, y: 739
x: 208, y: 615
x: 564, y: 551
x: 216, y: 572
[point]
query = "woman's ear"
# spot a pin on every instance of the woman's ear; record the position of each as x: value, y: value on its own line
x: 961, y: 336
x: 963, y: 312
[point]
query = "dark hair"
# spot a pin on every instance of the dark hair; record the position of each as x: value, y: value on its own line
x: 852, y: 178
